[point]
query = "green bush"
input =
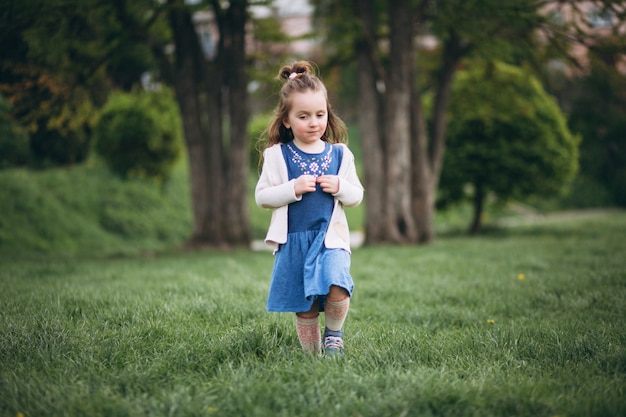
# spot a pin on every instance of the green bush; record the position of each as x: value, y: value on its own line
x: 139, y: 135
x: 59, y: 146
x: 14, y: 149
x: 61, y: 134
x: 506, y: 137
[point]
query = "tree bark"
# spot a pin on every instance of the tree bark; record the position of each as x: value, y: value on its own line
x: 427, y: 158
x: 217, y: 167
x: 237, y: 218
x: 423, y: 194
x: 187, y: 73
x: 399, y: 221
x: 369, y: 121
x: 404, y: 211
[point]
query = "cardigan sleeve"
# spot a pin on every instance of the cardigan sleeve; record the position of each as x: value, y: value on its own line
x: 274, y: 189
x: 350, y: 192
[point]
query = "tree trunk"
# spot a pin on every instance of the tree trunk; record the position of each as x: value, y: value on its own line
x: 399, y: 222
x: 423, y: 193
x: 217, y: 172
x: 428, y: 156
x: 369, y: 121
x: 236, y: 208
x: 400, y: 184
x: 188, y: 73
x: 209, y: 225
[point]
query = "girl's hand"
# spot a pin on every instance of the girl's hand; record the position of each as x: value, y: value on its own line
x: 329, y: 183
x: 304, y: 184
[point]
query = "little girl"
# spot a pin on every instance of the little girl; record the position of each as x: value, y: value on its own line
x: 308, y: 176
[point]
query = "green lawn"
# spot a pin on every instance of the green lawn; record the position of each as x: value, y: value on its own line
x: 524, y: 321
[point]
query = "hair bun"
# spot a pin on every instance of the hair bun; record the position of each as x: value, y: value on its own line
x: 289, y: 72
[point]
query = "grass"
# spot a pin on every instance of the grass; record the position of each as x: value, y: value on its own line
x: 86, y: 209
x: 528, y: 321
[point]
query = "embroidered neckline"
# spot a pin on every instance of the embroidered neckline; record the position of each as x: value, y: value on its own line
x: 311, y: 165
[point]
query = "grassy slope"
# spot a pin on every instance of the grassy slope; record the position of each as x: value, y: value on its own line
x: 85, y: 209
x: 448, y: 329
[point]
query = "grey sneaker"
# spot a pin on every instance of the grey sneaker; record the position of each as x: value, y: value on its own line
x: 333, y: 343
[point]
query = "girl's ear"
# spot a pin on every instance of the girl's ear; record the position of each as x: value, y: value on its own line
x: 286, y: 124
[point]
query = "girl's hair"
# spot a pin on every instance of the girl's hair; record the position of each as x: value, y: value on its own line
x: 300, y: 77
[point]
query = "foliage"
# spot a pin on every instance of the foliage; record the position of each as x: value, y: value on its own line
x: 270, y: 51
x: 14, y: 149
x: 57, y: 115
x: 589, y: 83
x: 506, y: 136
x: 459, y: 328
x: 499, y: 30
x: 139, y: 135
x: 62, y: 136
x: 58, y: 62
x: 597, y: 113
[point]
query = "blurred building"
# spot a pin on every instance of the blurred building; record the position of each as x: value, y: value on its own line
x: 587, y: 23
x: 295, y: 17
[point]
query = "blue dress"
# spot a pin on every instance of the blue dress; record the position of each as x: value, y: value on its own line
x: 304, y: 269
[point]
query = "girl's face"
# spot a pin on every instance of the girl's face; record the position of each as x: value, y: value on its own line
x: 308, y: 117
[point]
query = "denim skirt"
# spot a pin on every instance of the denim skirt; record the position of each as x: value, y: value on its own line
x: 304, y: 270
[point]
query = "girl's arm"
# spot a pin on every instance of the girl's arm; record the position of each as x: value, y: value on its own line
x: 350, y: 192
x: 272, y: 189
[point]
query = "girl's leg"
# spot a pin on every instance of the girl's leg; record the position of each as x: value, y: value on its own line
x: 336, y: 308
x: 335, y: 312
x: 308, y: 329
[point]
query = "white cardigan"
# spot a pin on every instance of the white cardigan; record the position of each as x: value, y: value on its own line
x: 275, y: 191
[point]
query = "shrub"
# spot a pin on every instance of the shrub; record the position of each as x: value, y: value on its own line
x: 506, y: 137
x: 61, y: 130
x: 14, y: 149
x: 139, y: 135
x: 59, y: 146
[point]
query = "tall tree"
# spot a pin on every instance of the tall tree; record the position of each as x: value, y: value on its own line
x: 115, y: 42
x: 507, y: 138
x: 212, y: 93
x: 211, y: 89
x: 403, y: 149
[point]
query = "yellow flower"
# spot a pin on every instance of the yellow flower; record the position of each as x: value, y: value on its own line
x: 521, y: 276
x: 491, y: 321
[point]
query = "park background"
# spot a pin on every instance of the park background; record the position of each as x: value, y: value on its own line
x: 489, y: 136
